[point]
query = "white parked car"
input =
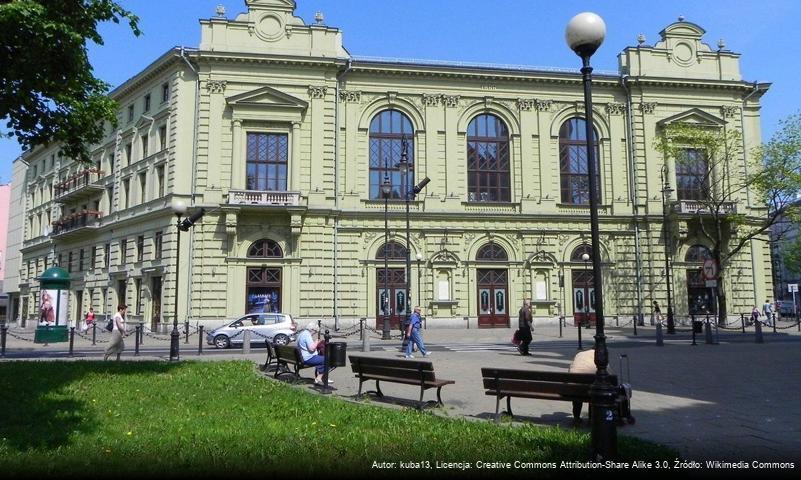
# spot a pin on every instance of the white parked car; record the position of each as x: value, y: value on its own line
x: 279, y: 328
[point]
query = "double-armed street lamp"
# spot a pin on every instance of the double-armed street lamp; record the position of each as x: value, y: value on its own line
x: 386, y: 191
x: 409, y: 193
x: 666, y: 191
x: 183, y: 224
x: 584, y: 34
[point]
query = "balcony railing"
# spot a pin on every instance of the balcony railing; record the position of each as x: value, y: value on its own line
x: 263, y: 198
x: 694, y: 207
x: 75, y: 221
x: 83, y: 181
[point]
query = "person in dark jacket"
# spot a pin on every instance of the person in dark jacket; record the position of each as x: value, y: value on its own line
x: 524, y: 326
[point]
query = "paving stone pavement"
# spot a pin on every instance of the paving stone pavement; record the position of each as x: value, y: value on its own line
x: 731, y: 401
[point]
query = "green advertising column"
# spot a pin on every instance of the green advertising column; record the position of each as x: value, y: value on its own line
x: 53, y: 298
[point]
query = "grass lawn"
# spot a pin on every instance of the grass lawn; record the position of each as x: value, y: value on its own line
x: 223, y: 418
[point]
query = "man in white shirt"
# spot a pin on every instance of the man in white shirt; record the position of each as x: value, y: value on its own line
x: 767, y: 309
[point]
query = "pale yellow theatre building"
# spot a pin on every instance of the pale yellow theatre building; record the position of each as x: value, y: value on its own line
x: 285, y: 139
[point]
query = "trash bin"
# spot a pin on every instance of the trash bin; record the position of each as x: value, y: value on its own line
x: 698, y: 326
x: 335, y: 353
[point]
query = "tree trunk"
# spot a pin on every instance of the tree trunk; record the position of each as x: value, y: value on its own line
x: 722, y: 305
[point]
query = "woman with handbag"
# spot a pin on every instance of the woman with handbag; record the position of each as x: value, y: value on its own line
x: 525, y: 322
x: 117, y: 345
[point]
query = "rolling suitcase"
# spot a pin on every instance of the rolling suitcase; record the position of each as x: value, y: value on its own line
x: 624, y: 393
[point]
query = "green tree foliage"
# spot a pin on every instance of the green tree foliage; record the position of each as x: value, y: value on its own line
x: 791, y: 255
x: 48, y: 92
x: 741, y: 196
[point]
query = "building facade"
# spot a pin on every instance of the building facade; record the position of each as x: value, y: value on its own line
x: 286, y: 140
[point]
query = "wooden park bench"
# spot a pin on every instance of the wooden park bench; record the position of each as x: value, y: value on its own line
x: 286, y: 355
x: 569, y: 387
x: 396, y: 370
x: 270, y: 356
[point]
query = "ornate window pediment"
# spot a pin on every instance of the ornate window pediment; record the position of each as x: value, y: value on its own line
x: 268, y: 104
x: 693, y: 116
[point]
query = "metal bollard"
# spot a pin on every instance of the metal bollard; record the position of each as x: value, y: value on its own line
x: 246, y: 342
x: 94, y: 332
x: 692, y: 322
x: 707, y: 332
x: 136, y: 343
x: 742, y: 321
x: 758, y: 332
x: 365, y: 338
x: 634, y: 321
x: 774, y: 323
x: 186, y: 330
x: 660, y: 341
x: 72, y: 340
x: 3, y: 333
x: 141, y: 333
x: 578, y: 327
x: 561, y: 320
x: 361, y: 329
x: 200, y: 340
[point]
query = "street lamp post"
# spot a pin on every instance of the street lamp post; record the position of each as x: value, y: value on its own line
x: 183, y: 225
x: 409, y: 194
x: 386, y: 190
x: 584, y: 34
x: 419, y: 273
x: 666, y: 191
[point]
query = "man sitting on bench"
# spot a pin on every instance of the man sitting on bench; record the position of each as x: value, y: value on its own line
x: 308, y: 351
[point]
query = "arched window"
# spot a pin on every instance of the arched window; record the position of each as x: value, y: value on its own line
x: 265, y: 248
x: 488, y: 160
x: 387, y: 131
x: 392, y: 251
x: 579, y: 252
x: 492, y: 252
x: 573, y: 165
x: 697, y: 254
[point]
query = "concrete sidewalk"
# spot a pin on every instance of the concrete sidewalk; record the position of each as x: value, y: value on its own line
x: 737, y: 400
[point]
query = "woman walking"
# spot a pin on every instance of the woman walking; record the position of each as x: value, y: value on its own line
x: 117, y: 345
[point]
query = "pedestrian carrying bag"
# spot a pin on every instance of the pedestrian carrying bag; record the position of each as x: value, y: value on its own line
x: 110, y: 325
x: 516, y: 338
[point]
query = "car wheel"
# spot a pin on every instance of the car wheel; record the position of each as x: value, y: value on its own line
x: 280, y: 339
x: 221, y: 341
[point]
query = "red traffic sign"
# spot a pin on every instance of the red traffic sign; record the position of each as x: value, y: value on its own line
x: 711, y: 269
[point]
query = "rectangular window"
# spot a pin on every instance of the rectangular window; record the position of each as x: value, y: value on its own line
x: 160, y: 173
x: 80, y: 260
x: 165, y: 92
x: 130, y: 113
x: 110, y: 198
x: 143, y: 187
x: 126, y: 190
x: 107, y: 256
x: 140, y: 248
x: 60, y: 260
x: 145, y: 145
x: 267, y: 155
x: 692, y: 175
x: 138, y: 287
x: 147, y: 103
x: 158, y: 241
x: 123, y: 251
x: 93, y: 260
x: 69, y: 262
x: 162, y: 137
x: 128, y: 153
x: 111, y: 163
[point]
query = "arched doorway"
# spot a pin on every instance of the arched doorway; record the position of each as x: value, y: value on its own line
x: 700, y: 298
x: 583, y: 286
x: 264, y: 283
x: 492, y: 288
x: 391, y: 295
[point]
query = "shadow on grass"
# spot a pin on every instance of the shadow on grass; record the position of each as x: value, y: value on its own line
x: 36, y: 412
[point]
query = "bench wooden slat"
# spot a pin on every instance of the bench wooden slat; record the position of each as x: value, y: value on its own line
x: 426, y: 365
x: 400, y: 373
x: 523, y: 386
x: 541, y: 395
x: 588, y: 378
x: 427, y: 384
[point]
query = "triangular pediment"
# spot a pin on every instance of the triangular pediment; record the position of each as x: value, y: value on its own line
x: 267, y: 97
x: 693, y: 116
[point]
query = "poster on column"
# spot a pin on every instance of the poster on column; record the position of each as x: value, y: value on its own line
x: 53, y: 307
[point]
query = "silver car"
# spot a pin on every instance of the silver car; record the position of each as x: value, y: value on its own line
x: 279, y: 328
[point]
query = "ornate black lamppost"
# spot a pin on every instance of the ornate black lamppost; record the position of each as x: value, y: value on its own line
x: 666, y: 191
x: 584, y: 34
x: 409, y: 194
x: 179, y: 207
x: 386, y: 191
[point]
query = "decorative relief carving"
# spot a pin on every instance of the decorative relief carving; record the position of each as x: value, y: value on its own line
x: 730, y: 110
x: 543, y: 105
x: 316, y: 91
x: 368, y: 237
x: 615, y: 108
x: 216, y: 86
x: 451, y: 101
x: 648, y: 107
x: 431, y: 100
x: 488, y: 102
x: 526, y: 104
x: 350, y: 96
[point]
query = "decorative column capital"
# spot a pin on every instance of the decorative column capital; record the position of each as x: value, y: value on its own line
x: 317, y: 91
x: 614, y: 108
x: 648, y: 107
x: 350, y: 96
x: 729, y: 110
x: 216, y: 86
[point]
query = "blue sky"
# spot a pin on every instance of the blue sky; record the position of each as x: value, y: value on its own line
x: 521, y: 32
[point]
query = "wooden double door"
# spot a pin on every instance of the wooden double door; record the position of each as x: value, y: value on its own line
x: 583, y: 297
x: 392, y: 298
x: 493, y: 301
